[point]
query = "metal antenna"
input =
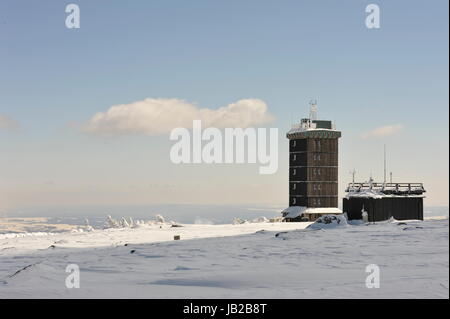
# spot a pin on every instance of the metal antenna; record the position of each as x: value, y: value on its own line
x: 313, y: 110
x: 385, y: 163
x: 353, y: 176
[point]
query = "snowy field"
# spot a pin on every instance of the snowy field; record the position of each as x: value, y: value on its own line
x: 257, y: 260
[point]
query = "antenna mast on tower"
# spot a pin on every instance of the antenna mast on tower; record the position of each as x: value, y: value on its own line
x: 385, y: 163
x: 353, y: 176
x: 313, y: 110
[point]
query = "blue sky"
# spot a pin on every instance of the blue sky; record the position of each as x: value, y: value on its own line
x: 214, y: 53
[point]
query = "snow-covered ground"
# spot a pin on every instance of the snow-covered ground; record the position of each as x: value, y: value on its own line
x: 257, y: 260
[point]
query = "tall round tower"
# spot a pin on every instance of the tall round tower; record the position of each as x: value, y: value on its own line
x: 313, y: 168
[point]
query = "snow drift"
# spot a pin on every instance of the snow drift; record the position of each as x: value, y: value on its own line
x: 329, y: 221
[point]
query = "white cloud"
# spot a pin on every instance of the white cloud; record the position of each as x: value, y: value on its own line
x: 8, y: 123
x: 161, y: 115
x: 383, y: 131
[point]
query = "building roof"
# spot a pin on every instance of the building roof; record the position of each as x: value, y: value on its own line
x: 313, y: 129
x: 383, y: 190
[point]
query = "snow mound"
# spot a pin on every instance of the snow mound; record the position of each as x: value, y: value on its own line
x: 329, y: 221
x: 238, y: 221
x: 19, y: 235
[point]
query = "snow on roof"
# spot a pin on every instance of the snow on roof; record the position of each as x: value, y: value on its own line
x: 296, y: 129
x: 293, y: 211
x: 296, y: 133
x: 370, y: 193
x: 381, y: 190
x: 308, y: 125
x: 296, y: 211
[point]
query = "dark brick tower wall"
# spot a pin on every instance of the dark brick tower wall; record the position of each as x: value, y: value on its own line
x: 313, y: 168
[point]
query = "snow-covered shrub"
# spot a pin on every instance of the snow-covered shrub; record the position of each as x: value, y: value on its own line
x: 139, y: 223
x: 111, y: 222
x: 130, y: 223
x: 123, y: 223
x: 87, y: 227
x: 160, y: 219
x: 238, y: 221
x: 261, y: 219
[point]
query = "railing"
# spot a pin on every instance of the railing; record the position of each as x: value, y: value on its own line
x: 387, y: 188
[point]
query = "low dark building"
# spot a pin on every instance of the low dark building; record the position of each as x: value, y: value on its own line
x: 382, y: 201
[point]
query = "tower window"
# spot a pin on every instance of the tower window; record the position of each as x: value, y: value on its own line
x: 294, y: 171
x: 294, y: 201
x: 294, y: 186
x: 295, y: 157
x: 294, y: 143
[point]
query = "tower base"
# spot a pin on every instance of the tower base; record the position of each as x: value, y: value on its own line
x: 303, y: 214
